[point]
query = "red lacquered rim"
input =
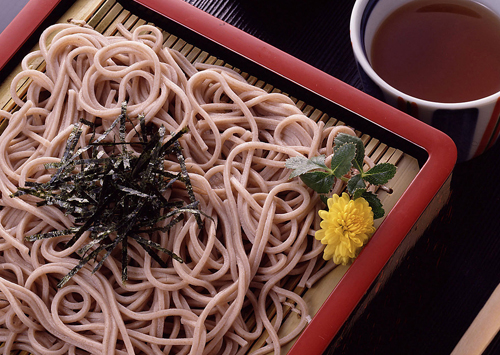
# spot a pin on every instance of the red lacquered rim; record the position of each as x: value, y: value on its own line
x: 433, y: 174
x: 22, y: 27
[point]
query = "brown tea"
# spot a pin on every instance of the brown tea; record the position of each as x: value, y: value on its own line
x: 442, y: 51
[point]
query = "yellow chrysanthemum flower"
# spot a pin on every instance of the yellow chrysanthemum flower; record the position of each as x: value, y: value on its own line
x: 346, y: 227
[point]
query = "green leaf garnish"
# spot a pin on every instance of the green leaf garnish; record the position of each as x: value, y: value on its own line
x: 380, y: 174
x: 342, y: 160
x: 355, y: 183
x: 375, y: 204
x: 343, y: 138
x: 359, y: 193
x: 301, y: 165
x: 319, y: 181
x: 349, y: 153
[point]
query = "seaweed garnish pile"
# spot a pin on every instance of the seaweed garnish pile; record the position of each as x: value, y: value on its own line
x: 118, y: 195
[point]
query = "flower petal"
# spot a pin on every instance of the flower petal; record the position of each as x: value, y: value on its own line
x: 345, y: 228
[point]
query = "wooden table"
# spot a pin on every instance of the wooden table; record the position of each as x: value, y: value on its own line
x: 430, y: 301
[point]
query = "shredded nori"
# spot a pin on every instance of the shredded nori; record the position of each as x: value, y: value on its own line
x: 116, y: 196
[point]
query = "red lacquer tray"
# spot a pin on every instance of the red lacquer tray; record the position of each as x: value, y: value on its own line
x: 434, y: 151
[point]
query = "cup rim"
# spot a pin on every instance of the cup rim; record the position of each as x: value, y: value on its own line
x: 361, y: 58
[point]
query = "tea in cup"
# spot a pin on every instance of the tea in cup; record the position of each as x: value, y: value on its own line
x: 437, y: 60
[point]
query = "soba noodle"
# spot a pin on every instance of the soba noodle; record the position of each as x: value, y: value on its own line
x: 237, y: 265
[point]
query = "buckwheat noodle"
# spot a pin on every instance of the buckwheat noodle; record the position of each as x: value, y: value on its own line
x: 236, y: 268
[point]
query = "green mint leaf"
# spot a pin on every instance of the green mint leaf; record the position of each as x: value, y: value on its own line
x: 375, y: 204
x: 343, y: 138
x: 342, y: 159
x: 324, y: 199
x: 319, y: 181
x: 301, y: 165
x: 380, y: 174
x: 355, y: 183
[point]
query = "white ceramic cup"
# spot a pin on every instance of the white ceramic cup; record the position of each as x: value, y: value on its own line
x: 474, y: 126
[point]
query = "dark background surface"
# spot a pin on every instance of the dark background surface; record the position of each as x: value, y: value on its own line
x: 441, y: 285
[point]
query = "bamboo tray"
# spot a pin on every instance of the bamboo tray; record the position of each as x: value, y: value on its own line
x: 424, y: 156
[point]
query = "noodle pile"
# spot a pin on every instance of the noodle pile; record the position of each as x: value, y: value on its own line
x: 236, y: 266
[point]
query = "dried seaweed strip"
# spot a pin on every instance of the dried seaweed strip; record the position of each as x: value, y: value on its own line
x: 152, y: 245
x: 116, y: 196
x: 51, y: 234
